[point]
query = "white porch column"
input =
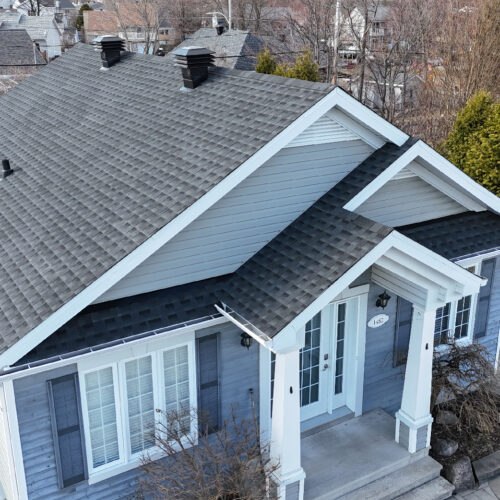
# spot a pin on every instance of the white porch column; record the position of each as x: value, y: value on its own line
x: 285, y: 427
x: 413, y: 420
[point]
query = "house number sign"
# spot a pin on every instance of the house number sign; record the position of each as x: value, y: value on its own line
x: 378, y: 320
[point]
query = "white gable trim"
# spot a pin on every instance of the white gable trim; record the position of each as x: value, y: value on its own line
x: 336, y: 97
x: 481, y: 197
x: 470, y: 282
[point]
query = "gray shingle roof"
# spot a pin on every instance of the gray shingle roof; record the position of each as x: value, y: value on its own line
x: 109, y: 321
x: 458, y: 235
x: 299, y: 264
x: 354, y: 182
x: 16, y: 49
x: 233, y: 49
x: 92, y: 184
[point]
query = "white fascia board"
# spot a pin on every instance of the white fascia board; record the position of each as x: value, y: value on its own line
x: 336, y: 288
x: 470, y: 281
x: 420, y: 149
x: 369, y: 118
x: 336, y: 97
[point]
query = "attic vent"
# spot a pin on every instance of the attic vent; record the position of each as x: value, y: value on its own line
x: 111, y: 48
x: 194, y: 62
x: 6, y: 169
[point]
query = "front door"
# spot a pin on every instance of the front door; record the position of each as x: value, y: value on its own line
x: 324, y: 360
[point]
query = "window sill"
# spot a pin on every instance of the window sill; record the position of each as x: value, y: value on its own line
x: 443, y: 348
x: 133, y: 463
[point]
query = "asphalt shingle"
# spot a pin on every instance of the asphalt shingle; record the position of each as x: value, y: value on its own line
x: 16, y: 49
x: 299, y: 264
x: 103, y: 160
x: 458, y: 235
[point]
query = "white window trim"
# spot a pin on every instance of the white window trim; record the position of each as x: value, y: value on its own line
x: 468, y: 339
x: 117, y: 360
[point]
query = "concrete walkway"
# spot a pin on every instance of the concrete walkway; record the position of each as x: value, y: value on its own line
x: 487, y: 491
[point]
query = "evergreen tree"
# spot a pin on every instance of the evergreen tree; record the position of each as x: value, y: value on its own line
x: 265, y: 63
x: 305, y: 68
x: 473, y: 144
x: 79, y: 17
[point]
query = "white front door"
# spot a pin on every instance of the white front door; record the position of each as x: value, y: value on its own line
x: 327, y: 358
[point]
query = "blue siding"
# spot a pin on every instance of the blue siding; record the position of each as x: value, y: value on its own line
x: 383, y: 384
x: 490, y: 340
x: 239, y: 373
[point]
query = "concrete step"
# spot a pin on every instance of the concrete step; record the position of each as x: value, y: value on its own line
x: 487, y: 467
x: 398, y: 482
x: 437, y: 489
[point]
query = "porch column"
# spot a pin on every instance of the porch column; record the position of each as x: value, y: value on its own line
x: 285, y: 428
x: 413, y: 420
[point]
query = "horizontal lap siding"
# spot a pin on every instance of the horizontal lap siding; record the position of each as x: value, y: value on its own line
x: 490, y: 340
x: 383, y: 385
x: 407, y: 201
x: 239, y: 373
x: 38, y: 446
x: 247, y: 218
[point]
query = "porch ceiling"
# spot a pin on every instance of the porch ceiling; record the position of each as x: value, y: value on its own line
x: 420, y: 281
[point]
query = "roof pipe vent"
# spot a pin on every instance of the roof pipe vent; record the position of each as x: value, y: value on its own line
x: 111, y: 48
x: 6, y: 169
x: 194, y: 63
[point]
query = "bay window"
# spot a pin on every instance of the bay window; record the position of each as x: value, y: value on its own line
x: 120, y: 398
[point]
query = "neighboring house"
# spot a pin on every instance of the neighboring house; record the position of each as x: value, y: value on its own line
x: 234, y: 49
x: 379, y: 94
x: 126, y: 23
x: 168, y: 226
x: 19, y: 58
x: 43, y: 30
x: 18, y: 54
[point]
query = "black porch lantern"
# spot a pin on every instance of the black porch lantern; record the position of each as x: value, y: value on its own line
x: 382, y: 300
x: 246, y: 340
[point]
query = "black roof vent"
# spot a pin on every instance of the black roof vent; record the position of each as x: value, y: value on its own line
x: 6, y: 170
x: 194, y: 62
x: 111, y: 48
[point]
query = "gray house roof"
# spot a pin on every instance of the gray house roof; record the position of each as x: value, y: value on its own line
x: 90, y: 186
x: 233, y: 49
x: 297, y: 266
x: 458, y: 235
x: 16, y: 49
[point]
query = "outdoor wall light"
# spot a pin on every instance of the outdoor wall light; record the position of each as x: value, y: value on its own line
x: 246, y: 340
x: 382, y: 300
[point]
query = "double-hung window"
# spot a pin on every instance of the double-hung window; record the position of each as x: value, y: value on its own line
x: 121, y: 394
x: 455, y: 320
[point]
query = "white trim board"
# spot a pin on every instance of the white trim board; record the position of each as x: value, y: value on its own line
x: 396, y: 240
x: 458, y: 185
x: 336, y: 98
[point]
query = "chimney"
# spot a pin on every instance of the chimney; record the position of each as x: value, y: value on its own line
x: 194, y: 62
x: 6, y: 170
x: 110, y: 47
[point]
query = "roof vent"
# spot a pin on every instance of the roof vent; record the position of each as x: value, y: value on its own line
x: 6, y: 170
x: 194, y: 62
x: 111, y: 48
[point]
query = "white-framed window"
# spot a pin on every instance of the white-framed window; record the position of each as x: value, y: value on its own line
x: 120, y: 396
x: 455, y: 320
